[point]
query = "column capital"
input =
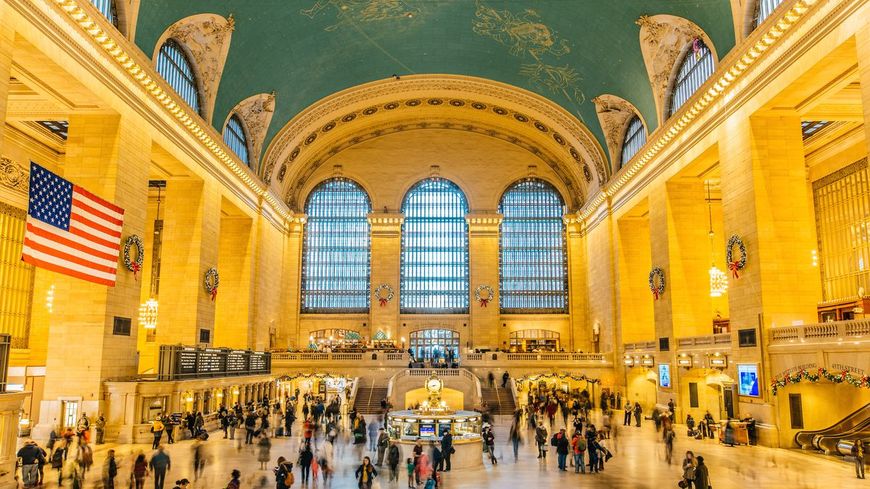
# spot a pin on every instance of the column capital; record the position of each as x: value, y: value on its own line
x: 386, y: 223
x: 483, y: 223
x: 296, y: 222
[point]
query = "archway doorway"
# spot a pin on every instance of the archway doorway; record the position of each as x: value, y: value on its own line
x: 434, y: 344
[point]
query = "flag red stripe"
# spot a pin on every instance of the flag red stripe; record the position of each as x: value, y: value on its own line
x: 116, y: 245
x: 91, y: 224
x: 81, y: 204
x: 67, y: 257
x: 99, y: 200
x: 67, y: 242
x: 66, y: 271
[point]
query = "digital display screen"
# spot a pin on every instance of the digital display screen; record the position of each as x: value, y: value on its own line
x: 747, y: 375
x: 665, y: 375
x: 427, y: 430
x: 443, y: 429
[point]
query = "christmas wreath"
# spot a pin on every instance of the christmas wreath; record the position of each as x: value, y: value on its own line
x: 211, y: 282
x: 735, y: 265
x: 134, y: 265
x: 657, y: 282
x: 835, y: 377
x: 479, y: 297
x: 379, y: 295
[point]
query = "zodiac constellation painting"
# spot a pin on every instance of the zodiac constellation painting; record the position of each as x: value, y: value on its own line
x: 350, y: 12
x: 526, y: 36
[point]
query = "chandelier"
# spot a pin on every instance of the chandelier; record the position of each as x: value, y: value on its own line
x: 148, y: 314
x: 718, y: 278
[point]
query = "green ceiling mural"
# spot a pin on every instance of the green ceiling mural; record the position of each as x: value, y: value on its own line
x: 569, y: 51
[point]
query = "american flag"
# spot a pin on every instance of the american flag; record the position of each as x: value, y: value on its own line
x: 70, y: 230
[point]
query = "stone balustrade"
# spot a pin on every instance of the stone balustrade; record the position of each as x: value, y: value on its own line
x: 821, y: 332
x: 488, y: 359
x: 722, y: 340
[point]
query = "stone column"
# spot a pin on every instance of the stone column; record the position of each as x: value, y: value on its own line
x: 386, y: 245
x: 636, y: 322
x: 578, y: 334
x: 109, y: 156
x: 233, y: 326
x: 600, y: 272
x: 766, y: 202
x: 485, y: 329
x: 7, y: 41
x: 191, y: 227
x: 291, y: 280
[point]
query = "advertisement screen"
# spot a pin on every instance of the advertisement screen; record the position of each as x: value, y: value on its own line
x: 747, y: 375
x: 427, y: 430
x: 665, y: 375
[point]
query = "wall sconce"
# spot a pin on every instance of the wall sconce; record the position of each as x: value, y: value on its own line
x: 647, y: 361
x: 189, y: 398
x: 148, y: 313
x: 684, y: 361
x: 717, y: 360
x: 220, y: 394
x: 628, y: 361
x: 815, y: 258
x: 49, y: 299
x: 236, y: 391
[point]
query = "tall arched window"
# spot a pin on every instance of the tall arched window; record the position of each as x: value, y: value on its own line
x: 336, y: 249
x: 234, y: 136
x: 696, y: 67
x: 434, y: 249
x: 635, y: 138
x: 763, y: 9
x: 107, y: 8
x: 176, y: 69
x: 533, y: 271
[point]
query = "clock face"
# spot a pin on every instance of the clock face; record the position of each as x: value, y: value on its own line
x: 433, y: 385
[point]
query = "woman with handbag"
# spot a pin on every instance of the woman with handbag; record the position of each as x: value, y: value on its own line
x: 688, y: 470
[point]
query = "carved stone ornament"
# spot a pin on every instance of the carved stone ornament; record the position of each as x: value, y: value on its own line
x: 662, y: 39
x: 207, y: 39
x: 256, y: 113
x: 614, y: 113
x: 13, y: 175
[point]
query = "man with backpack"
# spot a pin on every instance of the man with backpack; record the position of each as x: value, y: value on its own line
x: 578, y: 445
x: 284, y: 477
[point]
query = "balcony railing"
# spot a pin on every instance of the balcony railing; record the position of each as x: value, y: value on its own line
x: 640, y: 346
x: 376, y: 358
x: 820, y: 332
x: 722, y: 340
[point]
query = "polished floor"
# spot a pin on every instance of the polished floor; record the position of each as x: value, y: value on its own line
x: 638, y: 462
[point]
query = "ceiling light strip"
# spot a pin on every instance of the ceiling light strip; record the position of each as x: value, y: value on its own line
x: 703, y: 101
x: 148, y: 79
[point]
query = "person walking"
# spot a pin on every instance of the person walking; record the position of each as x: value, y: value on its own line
x: 264, y: 446
x: 393, y: 456
x: 515, y: 438
x: 858, y: 453
x: 689, y: 469
x: 365, y: 474
x: 235, y: 482
x: 637, y: 412
x: 541, y: 441
x: 30, y: 456
x: 100, y: 426
x: 578, y: 448
x: 446, y: 451
x: 110, y: 470
x: 489, y: 443
x: 669, y: 436
x: 505, y: 377
x: 491, y: 378
x: 382, y: 444
x: 304, y: 462
x: 702, y: 476
x: 140, y: 471
x: 160, y: 464
x: 157, y: 429
x: 562, y: 446
x: 284, y: 478
x: 250, y: 426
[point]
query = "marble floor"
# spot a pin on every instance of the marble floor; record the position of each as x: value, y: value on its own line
x: 638, y: 463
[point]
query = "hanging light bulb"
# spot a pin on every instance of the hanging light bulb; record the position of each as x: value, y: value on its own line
x: 718, y: 278
x: 148, y: 314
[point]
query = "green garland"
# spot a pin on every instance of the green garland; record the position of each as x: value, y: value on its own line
x: 822, y: 372
x: 561, y: 376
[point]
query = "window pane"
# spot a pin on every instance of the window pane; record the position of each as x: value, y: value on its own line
x: 635, y: 138
x: 696, y: 67
x: 234, y: 136
x: 763, y: 9
x: 175, y: 68
x: 533, y: 275
x: 107, y: 8
x: 434, y: 249
x: 335, y: 254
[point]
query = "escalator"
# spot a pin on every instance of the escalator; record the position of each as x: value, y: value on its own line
x: 828, y: 443
x: 804, y: 439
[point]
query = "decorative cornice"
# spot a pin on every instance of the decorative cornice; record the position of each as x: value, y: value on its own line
x: 146, y: 77
x: 729, y: 71
x: 14, y: 176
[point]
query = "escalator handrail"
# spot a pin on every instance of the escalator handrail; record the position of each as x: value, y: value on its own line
x: 831, y: 429
x: 836, y: 437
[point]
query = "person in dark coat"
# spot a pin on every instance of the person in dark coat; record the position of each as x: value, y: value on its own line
x: 305, y: 458
x: 702, y: 476
x: 562, y: 446
x: 365, y: 473
x: 446, y: 451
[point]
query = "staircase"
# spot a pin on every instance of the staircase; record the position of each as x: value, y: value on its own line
x: 500, y: 401
x: 368, y: 399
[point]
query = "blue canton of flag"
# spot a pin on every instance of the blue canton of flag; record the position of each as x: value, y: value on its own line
x: 50, y: 198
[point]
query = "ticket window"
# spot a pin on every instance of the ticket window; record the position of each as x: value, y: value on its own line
x: 70, y: 410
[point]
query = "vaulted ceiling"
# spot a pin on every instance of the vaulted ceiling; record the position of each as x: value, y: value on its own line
x: 569, y: 51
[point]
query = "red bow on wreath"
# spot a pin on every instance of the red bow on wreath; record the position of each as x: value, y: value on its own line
x: 135, y: 268
x: 484, y: 302
x: 383, y: 301
x: 213, y: 294
x: 734, y: 266
x: 655, y: 294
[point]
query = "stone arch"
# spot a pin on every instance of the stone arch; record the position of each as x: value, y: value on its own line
x: 664, y: 40
x: 256, y: 113
x: 206, y: 38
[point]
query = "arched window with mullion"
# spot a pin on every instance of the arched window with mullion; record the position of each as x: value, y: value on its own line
x: 175, y: 67
x: 107, y: 8
x: 236, y: 138
x: 763, y: 9
x: 533, y: 275
x: 434, y: 249
x: 695, y: 68
x: 336, y: 249
x: 635, y: 138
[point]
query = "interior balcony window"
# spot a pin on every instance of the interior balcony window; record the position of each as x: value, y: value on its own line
x: 234, y: 137
x: 175, y: 67
x: 635, y: 138
x: 695, y: 67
